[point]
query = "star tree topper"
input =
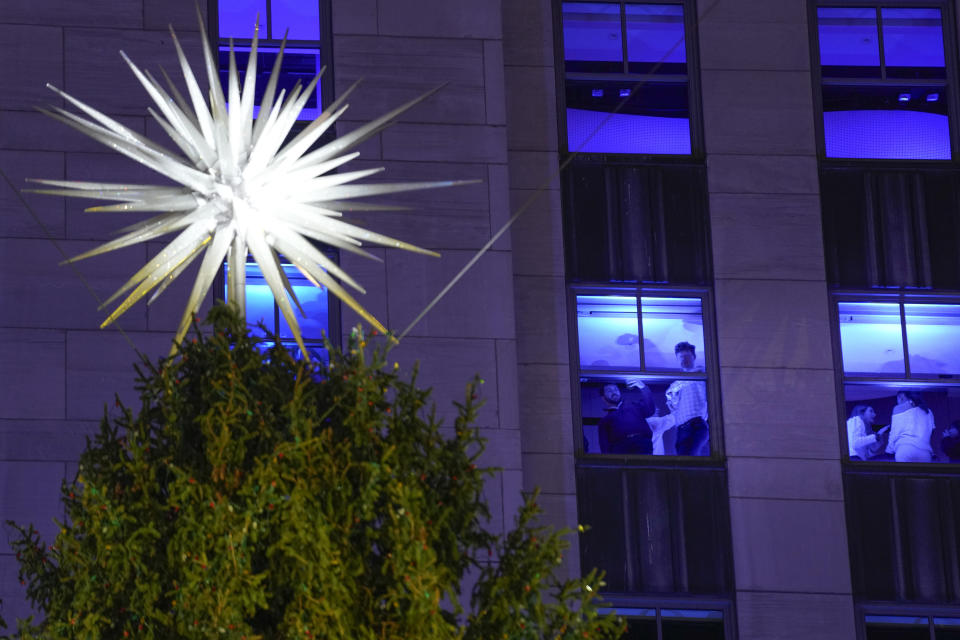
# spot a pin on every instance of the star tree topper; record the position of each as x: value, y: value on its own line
x: 240, y: 188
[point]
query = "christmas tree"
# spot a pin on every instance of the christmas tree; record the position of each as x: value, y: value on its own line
x: 257, y: 496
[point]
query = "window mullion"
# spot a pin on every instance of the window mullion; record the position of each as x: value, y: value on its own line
x: 623, y: 37
x: 883, y: 61
x: 903, y: 333
x: 643, y: 364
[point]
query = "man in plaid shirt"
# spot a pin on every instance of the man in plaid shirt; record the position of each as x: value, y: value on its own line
x: 687, y: 401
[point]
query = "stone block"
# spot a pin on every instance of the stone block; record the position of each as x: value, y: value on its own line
x: 165, y: 313
x: 507, y: 397
x: 397, y: 70
x: 96, y: 74
x: 784, y: 478
x: 552, y: 472
x: 43, y: 294
x: 773, y: 323
x: 541, y: 320
x: 493, y: 82
x: 445, y: 143
x: 30, y: 494
x: 354, y: 17
x: 453, y: 18
x: 16, y: 219
x: 787, y: 616
x: 32, y: 368
x: 492, y: 493
x: 781, y: 46
x: 32, y: 131
x: 32, y: 57
x: 48, y: 440
x: 372, y: 276
x: 12, y: 593
x: 789, y: 545
x: 371, y: 148
x: 512, y: 481
x: 534, y: 169
x: 763, y: 174
x: 767, y: 236
x: 528, y: 33
x: 560, y: 511
x: 531, y: 108
x: 500, y: 211
x: 444, y: 218
x: 750, y: 112
x: 90, y: 13
x: 546, y: 416
x: 446, y: 367
x: 478, y: 306
x: 780, y: 413
x: 761, y: 11
x: 100, y: 369
x: 502, y: 449
x: 538, y: 233
x: 180, y: 14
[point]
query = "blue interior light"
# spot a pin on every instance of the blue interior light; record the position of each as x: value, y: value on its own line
x: 596, y: 93
x: 933, y: 97
x: 624, y: 93
x: 904, y: 97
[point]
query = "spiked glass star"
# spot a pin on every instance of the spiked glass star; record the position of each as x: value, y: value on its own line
x: 240, y: 188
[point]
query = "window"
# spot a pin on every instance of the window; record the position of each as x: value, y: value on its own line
x: 901, y: 377
x: 898, y: 627
x: 643, y: 363
x: 608, y: 49
x: 885, y: 85
x: 645, y: 623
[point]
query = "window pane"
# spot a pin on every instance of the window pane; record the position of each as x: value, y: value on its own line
x: 893, y: 421
x: 933, y: 339
x: 655, y: 118
x: 301, y: 17
x: 886, y: 122
x: 848, y: 42
x: 607, y: 332
x: 259, y: 305
x: 237, y: 18
x: 640, y: 629
x: 870, y: 338
x: 897, y: 628
x: 655, y: 38
x: 592, y: 37
x: 682, y: 624
x: 913, y: 43
x: 669, y: 323
x: 314, y: 302
x: 299, y: 64
x: 644, y: 415
x: 947, y: 628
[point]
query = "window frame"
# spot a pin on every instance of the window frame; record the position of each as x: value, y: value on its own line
x: 616, y: 601
x: 900, y: 297
x: 948, y: 20
x: 711, y: 372
x: 931, y: 611
x: 691, y: 42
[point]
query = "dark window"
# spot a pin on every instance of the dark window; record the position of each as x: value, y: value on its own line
x: 645, y: 623
x: 626, y: 78
x: 885, y: 84
x: 905, y: 627
x: 643, y: 363
x: 901, y: 377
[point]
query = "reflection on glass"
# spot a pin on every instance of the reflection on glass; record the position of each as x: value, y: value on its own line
x: 655, y: 38
x: 644, y: 415
x: 301, y: 17
x: 913, y: 42
x: 259, y: 305
x: 870, y: 338
x: 237, y: 18
x: 933, y: 339
x: 313, y: 299
x: 691, y: 624
x: 849, y: 45
x: 299, y: 65
x: 899, y: 421
x: 592, y: 38
x: 897, y: 628
x: 607, y: 332
x: 669, y: 323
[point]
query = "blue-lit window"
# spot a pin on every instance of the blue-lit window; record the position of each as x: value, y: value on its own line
x: 643, y: 365
x: 299, y: 21
x: 901, y: 378
x: 906, y: 627
x: 626, y: 78
x: 884, y: 82
x: 314, y: 321
x: 655, y: 623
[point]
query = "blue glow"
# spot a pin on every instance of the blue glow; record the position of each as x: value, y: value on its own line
x: 667, y: 322
x: 908, y: 135
x: 655, y: 33
x: 871, y: 341
x: 238, y: 18
x: 299, y: 63
x: 626, y: 133
x: 912, y: 38
x: 596, y: 93
x: 933, y: 339
x: 261, y: 305
x: 591, y: 32
x: 301, y: 17
x: 848, y: 37
x: 903, y: 97
x: 608, y: 332
x: 933, y: 97
x: 624, y: 93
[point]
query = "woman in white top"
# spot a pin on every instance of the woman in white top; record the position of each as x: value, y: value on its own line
x: 860, y: 435
x: 911, y: 427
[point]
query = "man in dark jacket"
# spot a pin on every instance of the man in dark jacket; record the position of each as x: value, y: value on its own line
x: 624, y: 428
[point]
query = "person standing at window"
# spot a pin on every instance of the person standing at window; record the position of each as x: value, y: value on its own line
x: 624, y: 428
x: 687, y: 401
x: 863, y: 442
x: 911, y: 427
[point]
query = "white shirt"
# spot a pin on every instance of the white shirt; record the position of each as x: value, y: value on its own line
x: 913, y: 426
x: 858, y: 438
